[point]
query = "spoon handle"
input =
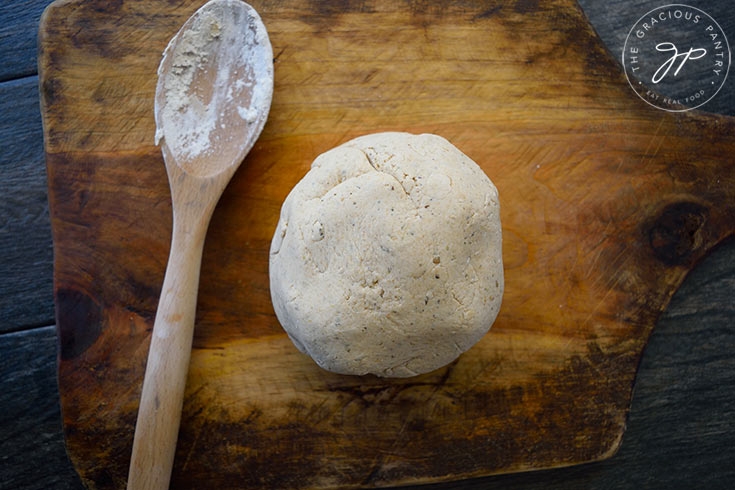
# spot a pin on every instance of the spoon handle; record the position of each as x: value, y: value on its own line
x: 159, y: 414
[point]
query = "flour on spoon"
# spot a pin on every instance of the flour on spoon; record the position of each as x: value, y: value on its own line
x: 192, y: 115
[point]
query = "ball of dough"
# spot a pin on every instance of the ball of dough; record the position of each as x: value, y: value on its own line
x: 387, y: 256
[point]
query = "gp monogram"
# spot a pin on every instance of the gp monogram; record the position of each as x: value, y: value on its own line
x: 676, y: 57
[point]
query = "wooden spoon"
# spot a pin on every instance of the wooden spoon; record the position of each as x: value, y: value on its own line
x: 215, y: 84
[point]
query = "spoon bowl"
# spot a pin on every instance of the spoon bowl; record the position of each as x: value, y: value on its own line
x: 215, y: 84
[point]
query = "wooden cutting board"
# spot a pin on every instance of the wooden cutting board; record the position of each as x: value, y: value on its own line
x: 606, y: 204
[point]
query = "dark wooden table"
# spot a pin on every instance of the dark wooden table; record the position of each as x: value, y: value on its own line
x: 681, y: 427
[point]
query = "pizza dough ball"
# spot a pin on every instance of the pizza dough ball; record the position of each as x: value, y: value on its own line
x: 387, y: 256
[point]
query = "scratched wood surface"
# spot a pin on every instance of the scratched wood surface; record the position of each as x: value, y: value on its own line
x: 606, y: 204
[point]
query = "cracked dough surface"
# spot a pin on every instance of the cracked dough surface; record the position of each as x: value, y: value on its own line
x: 387, y: 256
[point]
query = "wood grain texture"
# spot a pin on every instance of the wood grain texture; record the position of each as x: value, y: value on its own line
x: 18, y: 37
x: 608, y: 206
x: 31, y: 441
x: 680, y: 432
x: 681, y: 428
x: 25, y: 236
